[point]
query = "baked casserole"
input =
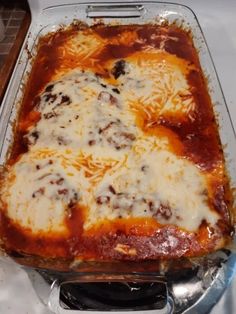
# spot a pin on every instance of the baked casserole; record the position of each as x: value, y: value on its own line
x: 116, y: 154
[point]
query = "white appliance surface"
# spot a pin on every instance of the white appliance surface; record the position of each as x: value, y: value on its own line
x: 217, y: 19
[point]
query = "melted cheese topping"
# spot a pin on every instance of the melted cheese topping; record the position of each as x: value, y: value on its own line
x: 156, y: 184
x: 167, y: 92
x: 87, y: 149
x: 42, y: 185
x: 83, y: 44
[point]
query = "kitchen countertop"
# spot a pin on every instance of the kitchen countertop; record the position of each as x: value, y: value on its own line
x: 217, y: 19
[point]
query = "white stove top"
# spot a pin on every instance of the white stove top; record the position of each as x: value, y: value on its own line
x: 217, y: 19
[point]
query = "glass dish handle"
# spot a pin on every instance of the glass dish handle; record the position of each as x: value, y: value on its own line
x: 115, y: 11
x: 55, y: 306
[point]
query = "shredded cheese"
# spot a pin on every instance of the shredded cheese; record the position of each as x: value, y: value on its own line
x: 88, y: 148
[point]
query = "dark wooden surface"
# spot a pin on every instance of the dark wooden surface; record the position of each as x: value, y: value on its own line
x: 10, y: 60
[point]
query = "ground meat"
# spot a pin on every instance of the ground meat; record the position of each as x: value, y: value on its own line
x: 108, y: 98
x: 91, y: 142
x: 163, y: 212
x: 49, y: 115
x: 31, y: 138
x: 111, y: 189
x: 39, y: 192
x: 118, y: 69
x: 102, y: 200
x: 62, y: 141
x: 50, y: 98
x: 55, y: 100
x: 115, y: 134
x: 49, y: 88
x: 116, y: 90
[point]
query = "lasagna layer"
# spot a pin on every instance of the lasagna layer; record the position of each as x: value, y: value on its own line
x: 116, y: 152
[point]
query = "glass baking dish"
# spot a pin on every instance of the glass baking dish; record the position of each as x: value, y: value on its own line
x: 49, y: 19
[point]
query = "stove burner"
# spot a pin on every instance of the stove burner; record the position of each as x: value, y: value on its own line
x: 113, y: 296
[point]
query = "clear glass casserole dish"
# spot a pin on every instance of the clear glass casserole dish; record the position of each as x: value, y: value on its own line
x: 50, y: 19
